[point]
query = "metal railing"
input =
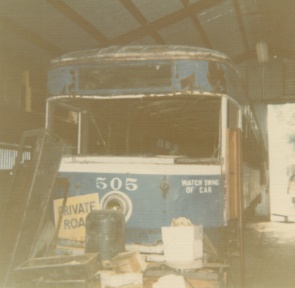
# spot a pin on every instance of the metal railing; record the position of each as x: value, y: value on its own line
x: 8, y: 153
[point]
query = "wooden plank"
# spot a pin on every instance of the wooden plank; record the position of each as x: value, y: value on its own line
x: 233, y: 174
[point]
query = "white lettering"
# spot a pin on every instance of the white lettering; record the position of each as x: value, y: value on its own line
x: 117, y: 183
x: 205, y: 189
x: 185, y: 182
x: 100, y: 183
x: 191, y: 182
x: 130, y: 184
x: 189, y: 190
x: 214, y: 182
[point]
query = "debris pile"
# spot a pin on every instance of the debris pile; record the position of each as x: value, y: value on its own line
x: 166, y: 264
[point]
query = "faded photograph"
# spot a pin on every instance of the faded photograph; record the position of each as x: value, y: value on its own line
x: 147, y: 143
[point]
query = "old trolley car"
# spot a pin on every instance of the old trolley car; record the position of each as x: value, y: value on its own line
x: 157, y: 132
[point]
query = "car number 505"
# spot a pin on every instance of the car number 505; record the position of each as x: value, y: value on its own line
x: 116, y: 183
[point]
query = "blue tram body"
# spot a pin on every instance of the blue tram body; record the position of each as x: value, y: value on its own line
x: 152, y: 193
x: 167, y: 121
x: 180, y: 75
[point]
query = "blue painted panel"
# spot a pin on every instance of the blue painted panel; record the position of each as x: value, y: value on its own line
x: 192, y: 75
x: 65, y: 80
x: 62, y: 81
x: 198, y: 198
x: 188, y: 75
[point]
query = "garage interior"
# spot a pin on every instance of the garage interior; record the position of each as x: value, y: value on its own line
x: 257, y: 35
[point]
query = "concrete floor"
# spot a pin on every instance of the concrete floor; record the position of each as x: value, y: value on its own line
x: 269, y: 255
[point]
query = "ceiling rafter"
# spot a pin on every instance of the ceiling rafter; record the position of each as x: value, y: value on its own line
x: 197, y: 24
x: 241, y: 23
x: 165, y: 21
x: 80, y: 21
x: 29, y: 36
x: 129, y: 5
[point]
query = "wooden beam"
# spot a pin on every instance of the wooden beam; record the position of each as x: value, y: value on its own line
x: 129, y: 5
x: 74, y: 16
x: 197, y: 24
x: 165, y: 21
x: 241, y: 23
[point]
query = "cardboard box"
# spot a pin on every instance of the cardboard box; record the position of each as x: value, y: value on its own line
x: 182, y: 243
x: 109, y: 279
x: 129, y: 262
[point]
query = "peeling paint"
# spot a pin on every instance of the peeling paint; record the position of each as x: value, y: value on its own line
x: 141, y: 53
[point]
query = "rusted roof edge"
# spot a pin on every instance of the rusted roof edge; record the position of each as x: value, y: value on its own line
x: 139, y: 52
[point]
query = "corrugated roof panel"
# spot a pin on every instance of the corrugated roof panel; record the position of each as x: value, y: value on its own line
x: 153, y: 10
x: 251, y: 20
x: 289, y: 76
x: 251, y: 23
x: 287, y: 35
x: 193, y: 1
x: 260, y: 28
x: 181, y: 33
x: 287, y: 42
x: 220, y: 24
x: 265, y: 81
x: 272, y: 21
x: 45, y: 21
x: 147, y: 40
x: 109, y: 16
x: 249, y: 6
